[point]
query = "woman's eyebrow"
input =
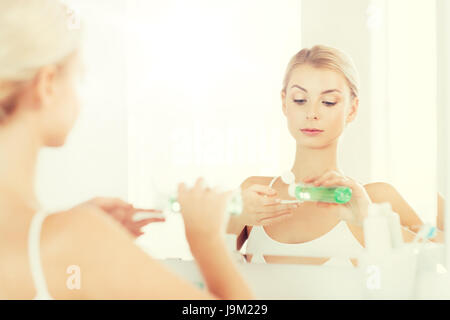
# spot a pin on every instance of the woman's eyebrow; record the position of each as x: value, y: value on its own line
x: 326, y: 91
x: 331, y: 90
x: 298, y: 87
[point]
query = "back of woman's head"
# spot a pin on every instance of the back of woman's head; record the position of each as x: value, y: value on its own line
x: 321, y: 56
x: 33, y: 34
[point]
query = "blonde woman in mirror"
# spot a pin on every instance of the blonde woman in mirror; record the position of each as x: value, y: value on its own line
x: 41, y: 251
x: 319, y: 99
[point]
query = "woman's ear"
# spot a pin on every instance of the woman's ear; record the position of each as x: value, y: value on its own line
x: 45, y: 85
x: 283, y: 102
x: 353, y: 110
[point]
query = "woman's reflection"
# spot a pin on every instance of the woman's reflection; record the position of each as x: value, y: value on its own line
x: 319, y: 99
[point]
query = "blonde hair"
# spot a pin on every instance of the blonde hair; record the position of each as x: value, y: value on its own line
x: 321, y: 56
x: 33, y: 34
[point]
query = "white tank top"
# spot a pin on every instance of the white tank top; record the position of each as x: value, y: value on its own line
x: 34, y: 241
x: 339, y: 240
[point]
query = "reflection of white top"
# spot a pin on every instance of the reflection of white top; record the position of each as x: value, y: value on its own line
x: 339, y: 240
x: 34, y: 242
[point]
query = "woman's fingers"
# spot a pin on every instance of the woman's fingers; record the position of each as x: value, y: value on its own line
x: 310, y: 178
x: 135, y: 227
x: 334, y: 181
x: 347, y: 215
x: 141, y: 223
x: 108, y: 204
x: 263, y: 190
x: 323, y: 204
x: 320, y: 179
x: 199, y: 184
x: 181, y: 192
x: 327, y: 176
x: 181, y: 187
x: 135, y: 210
x: 271, y: 202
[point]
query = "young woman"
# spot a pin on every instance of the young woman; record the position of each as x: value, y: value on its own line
x: 39, y: 251
x: 319, y: 99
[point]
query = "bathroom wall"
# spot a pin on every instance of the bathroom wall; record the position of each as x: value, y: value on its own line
x: 94, y: 160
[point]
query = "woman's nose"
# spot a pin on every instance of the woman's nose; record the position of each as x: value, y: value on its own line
x: 312, y: 113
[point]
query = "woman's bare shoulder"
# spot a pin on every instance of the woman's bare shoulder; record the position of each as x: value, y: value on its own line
x: 380, y: 190
x: 82, y: 224
x: 79, y: 239
x: 109, y: 262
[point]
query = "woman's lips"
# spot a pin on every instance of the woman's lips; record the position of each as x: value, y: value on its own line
x: 311, y: 132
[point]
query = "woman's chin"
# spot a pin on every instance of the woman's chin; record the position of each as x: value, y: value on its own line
x: 310, y: 144
x: 56, y: 142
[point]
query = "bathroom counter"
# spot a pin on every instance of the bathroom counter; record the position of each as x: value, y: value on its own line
x: 283, y: 281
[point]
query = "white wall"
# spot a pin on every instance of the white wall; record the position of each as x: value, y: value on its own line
x: 443, y: 43
x: 412, y: 116
x: 443, y: 10
x: 94, y: 160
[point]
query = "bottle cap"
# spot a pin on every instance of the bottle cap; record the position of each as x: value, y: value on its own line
x: 291, y: 190
x: 288, y: 177
x: 342, y: 194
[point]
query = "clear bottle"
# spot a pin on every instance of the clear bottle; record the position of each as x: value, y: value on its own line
x: 302, y: 192
x: 339, y: 195
x: 168, y: 204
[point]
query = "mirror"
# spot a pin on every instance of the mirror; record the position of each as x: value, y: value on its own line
x: 384, y: 144
x: 202, y: 98
x: 215, y: 96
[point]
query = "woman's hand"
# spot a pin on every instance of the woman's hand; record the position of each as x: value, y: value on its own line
x: 261, y: 206
x: 357, y: 208
x: 203, y: 213
x: 123, y: 212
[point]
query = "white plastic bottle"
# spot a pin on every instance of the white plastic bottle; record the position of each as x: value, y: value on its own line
x: 388, y: 267
x: 394, y: 226
x: 377, y: 233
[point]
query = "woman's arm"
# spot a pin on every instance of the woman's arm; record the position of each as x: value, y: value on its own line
x: 113, y: 267
x: 260, y: 207
x: 236, y: 225
x: 383, y: 192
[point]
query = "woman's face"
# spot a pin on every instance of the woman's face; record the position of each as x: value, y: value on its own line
x: 61, y: 104
x: 317, y: 98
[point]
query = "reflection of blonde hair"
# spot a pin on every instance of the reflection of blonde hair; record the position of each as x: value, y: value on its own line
x: 326, y: 57
x: 33, y: 34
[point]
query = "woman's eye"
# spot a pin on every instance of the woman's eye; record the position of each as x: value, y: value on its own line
x: 300, y: 101
x: 328, y: 103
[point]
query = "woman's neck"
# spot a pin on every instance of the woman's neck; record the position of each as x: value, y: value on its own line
x: 19, y: 150
x: 314, y: 162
